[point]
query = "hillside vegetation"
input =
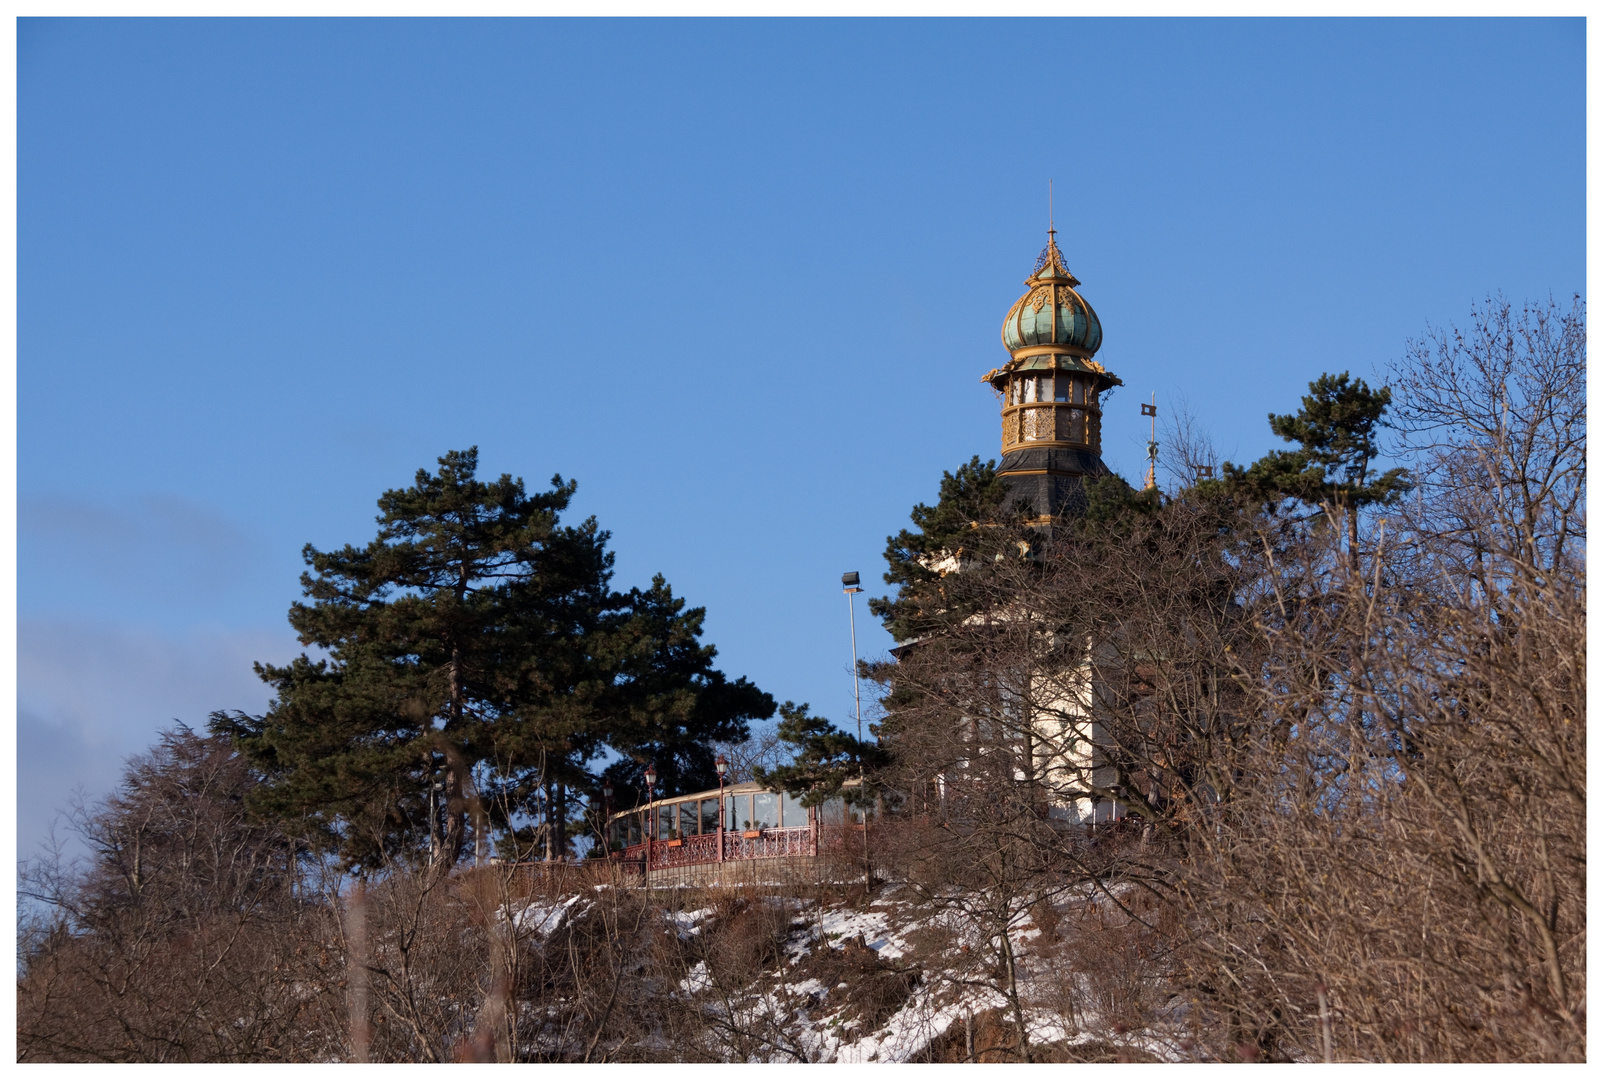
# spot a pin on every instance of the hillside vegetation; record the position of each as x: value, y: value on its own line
x: 1336, y: 789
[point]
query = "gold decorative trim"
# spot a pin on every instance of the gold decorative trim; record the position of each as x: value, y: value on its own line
x: 1024, y: 352
x: 1060, y: 405
x: 1038, y: 472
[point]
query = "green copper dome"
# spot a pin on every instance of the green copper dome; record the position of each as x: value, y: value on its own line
x: 1051, y: 312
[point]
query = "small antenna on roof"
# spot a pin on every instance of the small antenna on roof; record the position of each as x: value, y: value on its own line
x: 1051, y: 222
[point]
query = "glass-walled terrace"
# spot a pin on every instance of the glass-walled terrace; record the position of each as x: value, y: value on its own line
x: 745, y: 809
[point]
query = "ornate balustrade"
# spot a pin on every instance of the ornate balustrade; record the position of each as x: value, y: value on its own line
x: 771, y: 844
x: 694, y: 850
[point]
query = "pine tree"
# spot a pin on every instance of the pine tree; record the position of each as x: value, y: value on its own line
x: 377, y: 741
x: 670, y: 703
x: 477, y: 662
x: 824, y: 760
x: 962, y: 526
x: 1337, y: 432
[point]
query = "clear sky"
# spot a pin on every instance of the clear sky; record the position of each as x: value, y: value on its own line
x: 739, y: 279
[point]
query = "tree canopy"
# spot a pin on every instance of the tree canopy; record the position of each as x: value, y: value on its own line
x: 1337, y: 432
x: 477, y: 661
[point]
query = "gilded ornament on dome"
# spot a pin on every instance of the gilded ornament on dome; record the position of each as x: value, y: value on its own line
x: 1039, y: 297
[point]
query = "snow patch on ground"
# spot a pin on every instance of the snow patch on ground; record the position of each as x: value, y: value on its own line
x: 819, y: 1022
x: 689, y: 922
x: 543, y: 920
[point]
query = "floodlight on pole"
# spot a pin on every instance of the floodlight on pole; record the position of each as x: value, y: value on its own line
x: 850, y: 586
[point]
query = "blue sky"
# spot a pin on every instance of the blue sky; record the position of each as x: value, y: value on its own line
x: 738, y: 278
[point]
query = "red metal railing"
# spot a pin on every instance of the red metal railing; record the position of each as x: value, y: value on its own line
x: 690, y: 850
x: 770, y: 843
x: 694, y: 850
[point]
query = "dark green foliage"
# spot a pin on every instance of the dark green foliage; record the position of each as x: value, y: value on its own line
x: 1336, y: 431
x: 966, y: 523
x: 671, y: 703
x: 477, y: 662
x: 825, y: 759
x: 415, y: 626
x: 1110, y: 499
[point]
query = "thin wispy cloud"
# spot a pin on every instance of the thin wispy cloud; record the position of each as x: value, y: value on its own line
x: 144, y: 544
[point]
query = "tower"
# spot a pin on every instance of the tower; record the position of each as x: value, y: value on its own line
x: 1051, y: 390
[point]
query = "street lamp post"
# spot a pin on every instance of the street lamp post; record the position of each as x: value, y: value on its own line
x: 606, y: 816
x: 850, y: 582
x: 722, y: 765
x: 651, y: 813
x: 851, y: 585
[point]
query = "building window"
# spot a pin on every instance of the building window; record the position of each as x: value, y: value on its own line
x: 765, y: 810
x: 1063, y: 387
x: 709, y: 815
x: 689, y: 818
x: 792, y: 812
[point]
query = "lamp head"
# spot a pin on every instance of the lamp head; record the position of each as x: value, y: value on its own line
x: 651, y: 775
x: 721, y: 765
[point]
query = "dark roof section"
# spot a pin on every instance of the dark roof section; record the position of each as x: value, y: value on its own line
x: 1049, y: 477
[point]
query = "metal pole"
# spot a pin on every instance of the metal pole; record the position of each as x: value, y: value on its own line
x: 857, y: 694
x: 857, y: 689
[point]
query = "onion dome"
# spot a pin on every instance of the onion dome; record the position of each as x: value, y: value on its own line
x: 1051, y: 391
x: 1051, y: 312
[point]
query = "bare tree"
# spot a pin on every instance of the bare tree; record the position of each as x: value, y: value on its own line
x: 183, y: 937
